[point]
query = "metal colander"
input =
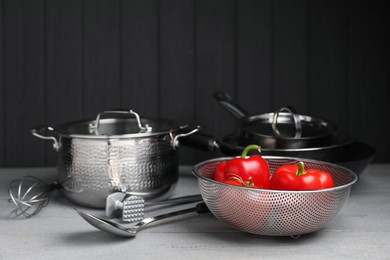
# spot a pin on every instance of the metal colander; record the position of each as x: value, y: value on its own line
x: 275, y: 212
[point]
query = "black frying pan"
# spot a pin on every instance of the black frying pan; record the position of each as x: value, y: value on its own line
x: 282, y: 129
x: 342, y: 149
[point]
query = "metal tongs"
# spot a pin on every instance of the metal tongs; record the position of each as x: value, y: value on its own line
x: 120, y: 230
x: 131, y: 208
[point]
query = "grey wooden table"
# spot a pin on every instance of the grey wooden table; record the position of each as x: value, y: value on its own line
x: 360, y: 231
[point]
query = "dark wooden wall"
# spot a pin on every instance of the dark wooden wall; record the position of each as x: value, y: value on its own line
x: 62, y: 60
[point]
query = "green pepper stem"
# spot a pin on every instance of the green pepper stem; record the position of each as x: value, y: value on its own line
x: 248, y: 148
x: 237, y: 178
x: 301, y: 169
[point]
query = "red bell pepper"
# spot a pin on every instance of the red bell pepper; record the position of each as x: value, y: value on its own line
x: 296, y: 177
x: 252, y: 171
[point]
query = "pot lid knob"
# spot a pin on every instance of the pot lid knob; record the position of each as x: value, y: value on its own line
x: 94, y: 126
x: 295, y: 116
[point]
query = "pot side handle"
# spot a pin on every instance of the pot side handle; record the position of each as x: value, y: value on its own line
x: 201, y: 141
x: 175, y: 141
x: 38, y: 132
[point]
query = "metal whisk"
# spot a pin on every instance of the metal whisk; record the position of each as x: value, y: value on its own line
x: 30, y: 195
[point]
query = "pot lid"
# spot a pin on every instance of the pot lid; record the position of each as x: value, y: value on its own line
x: 285, y: 123
x: 286, y: 127
x: 119, y: 126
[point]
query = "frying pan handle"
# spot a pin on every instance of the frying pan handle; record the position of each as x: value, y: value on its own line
x: 225, y: 100
x: 200, y: 141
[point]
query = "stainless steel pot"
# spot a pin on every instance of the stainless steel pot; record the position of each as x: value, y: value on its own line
x: 126, y: 154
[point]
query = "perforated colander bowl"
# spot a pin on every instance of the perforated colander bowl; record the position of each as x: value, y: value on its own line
x: 275, y: 212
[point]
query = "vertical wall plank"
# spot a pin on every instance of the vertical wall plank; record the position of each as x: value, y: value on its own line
x: 101, y: 49
x: 368, y: 74
x: 24, y: 81
x: 328, y: 60
x: 64, y: 64
x: 139, y: 64
x: 289, y: 71
x: 177, y: 59
x: 215, y: 62
x: 2, y: 92
x: 177, y: 63
x: 254, y: 55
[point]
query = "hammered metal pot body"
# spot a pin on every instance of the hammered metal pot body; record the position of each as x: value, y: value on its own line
x: 91, y: 169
